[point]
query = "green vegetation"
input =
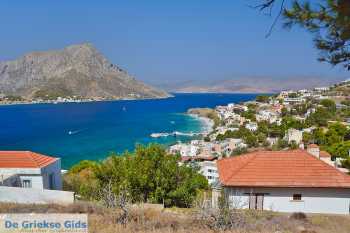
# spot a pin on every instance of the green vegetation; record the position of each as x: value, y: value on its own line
x: 13, y: 98
x: 53, y: 93
x: 263, y: 98
x: 328, y: 21
x: 147, y: 175
x: 248, y: 137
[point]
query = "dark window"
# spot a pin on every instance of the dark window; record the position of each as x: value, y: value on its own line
x: 296, y: 197
x: 26, y: 183
x: 51, y: 181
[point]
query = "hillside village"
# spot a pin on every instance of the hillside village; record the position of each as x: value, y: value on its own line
x: 289, y: 120
x: 287, y: 152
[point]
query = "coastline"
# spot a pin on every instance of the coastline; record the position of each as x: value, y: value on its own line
x: 207, y: 124
x: 77, y: 101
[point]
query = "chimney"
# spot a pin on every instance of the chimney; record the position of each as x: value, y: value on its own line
x: 314, y: 150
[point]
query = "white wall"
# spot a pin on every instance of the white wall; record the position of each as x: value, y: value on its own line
x: 314, y: 200
x: 10, y: 171
x: 209, y: 170
x: 37, y: 181
x: 37, y: 196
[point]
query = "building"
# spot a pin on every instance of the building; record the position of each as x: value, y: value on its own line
x: 28, y: 177
x: 209, y: 169
x: 321, y: 89
x: 252, y: 126
x: 185, y: 149
x: 294, y: 135
x: 206, y: 164
x: 30, y: 170
x: 284, y: 181
x: 296, y: 100
x: 236, y: 143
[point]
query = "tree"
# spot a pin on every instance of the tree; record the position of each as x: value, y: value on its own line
x: 328, y: 21
x: 329, y: 105
x: 263, y: 98
x: 147, y: 175
x: 320, y: 117
x: 340, y: 129
x: 345, y: 102
x: 319, y: 136
x: 307, y: 137
x: 293, y: 145
x: 239, y: 151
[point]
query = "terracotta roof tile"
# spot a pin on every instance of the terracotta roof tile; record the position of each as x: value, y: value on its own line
x: 295, y: 168
x: 24, y: 159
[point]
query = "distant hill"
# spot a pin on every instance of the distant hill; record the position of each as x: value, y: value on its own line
x: 77, y: 70
x: 251, y: 85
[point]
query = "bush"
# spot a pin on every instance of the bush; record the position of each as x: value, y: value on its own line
x: 147, y: 175
x: 298, y: 216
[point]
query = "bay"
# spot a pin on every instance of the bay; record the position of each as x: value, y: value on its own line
x: 93, y: 130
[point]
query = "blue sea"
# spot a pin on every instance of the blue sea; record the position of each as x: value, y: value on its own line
x: 93, y: 130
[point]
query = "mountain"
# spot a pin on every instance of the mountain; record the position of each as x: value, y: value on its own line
x: 77, y: 70
x: 252, y: 85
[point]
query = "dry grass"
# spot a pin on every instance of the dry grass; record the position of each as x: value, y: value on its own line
x: 153, y: 220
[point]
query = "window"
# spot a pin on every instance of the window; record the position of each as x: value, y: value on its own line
x: 26, y: 183
x: 51, y: 181
x: 296, y: 197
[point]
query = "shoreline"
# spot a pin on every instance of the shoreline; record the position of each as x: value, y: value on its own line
x: 207, y: 124
x: 78, y: 101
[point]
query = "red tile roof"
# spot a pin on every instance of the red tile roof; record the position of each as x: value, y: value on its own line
x: 295, y: 168
x: 24, y: 159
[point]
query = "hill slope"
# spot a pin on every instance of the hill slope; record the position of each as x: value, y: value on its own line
x: 77, y: 70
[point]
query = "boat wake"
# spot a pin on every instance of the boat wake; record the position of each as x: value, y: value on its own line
x: 74, y: 132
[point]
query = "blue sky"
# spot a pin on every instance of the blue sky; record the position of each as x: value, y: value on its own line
x: 165, y: 41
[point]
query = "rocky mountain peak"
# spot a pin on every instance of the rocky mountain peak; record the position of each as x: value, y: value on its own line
x: 79, y: 70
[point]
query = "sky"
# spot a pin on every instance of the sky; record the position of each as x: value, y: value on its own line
x: 163, y: 41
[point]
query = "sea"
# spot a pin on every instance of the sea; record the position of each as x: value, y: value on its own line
x: 94, y: 130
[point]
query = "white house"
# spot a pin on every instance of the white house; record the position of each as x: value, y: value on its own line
x: 185, y: 149
x: 284, y: 181
x: 294, y: 135
x: 252, y: 126
x: 28, y: 177
x: 30, y: 170
x: 209, y: 169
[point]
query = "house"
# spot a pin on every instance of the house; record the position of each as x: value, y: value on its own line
x: 296, y: 100
x: 294, y: 135
x: 236, y: 143
x: 252, y: 126
x: 184, y: 149
x: 209, y: 169
x: 30, y: 170
x: 28, y: 177
x: 284, y: 181
x: 272, y: 140
x: 321, y: 89
x: 206, y: 164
